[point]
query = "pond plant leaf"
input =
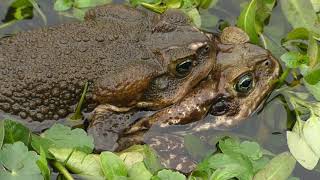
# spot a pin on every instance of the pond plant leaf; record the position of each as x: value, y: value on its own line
x: 311, y: 133
x: 19, y: 10
x: 43, y: 165
x: 60, y: 136
x: 301, y: 150
x: 296, y: 34
x: 300, y: 14
x: 63, y: 5
x: 112, y: 165
x: 167, y: 174
x: 17, y: 163
x: 246, y: 21
x: 279, y: 168
x: 89, y: 3
x: 138, y: 171
x: 78, y: 162
x: 294, y: 59
x: 15, y: 131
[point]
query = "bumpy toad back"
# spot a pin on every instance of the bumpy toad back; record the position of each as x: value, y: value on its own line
x: 128, y: 56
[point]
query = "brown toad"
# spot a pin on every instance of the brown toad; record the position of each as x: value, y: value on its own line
x: 129, y: 57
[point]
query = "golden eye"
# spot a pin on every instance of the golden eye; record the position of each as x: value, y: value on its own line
x: 184, y: 68
x: 244, y: 83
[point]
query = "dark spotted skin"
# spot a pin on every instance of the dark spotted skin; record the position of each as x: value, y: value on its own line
x: 123, y: 54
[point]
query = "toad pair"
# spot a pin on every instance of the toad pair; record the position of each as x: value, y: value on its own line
x: 134, y: 60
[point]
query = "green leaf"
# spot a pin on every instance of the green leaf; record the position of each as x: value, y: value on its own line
x: 294, y: 59
x: 174, y: 4
x: 62, y: 5
x: 259, y: 164
x: 17, y: 163
x: 313, y: 51
x: 313, y: 77
x: 301, y: 151
x: 279, y: 168
x: 296, y: 34
x: 158, y: 8
x: 225, y: 173
x: 207, y: 3
x: 77, y: 115
x: 263, y: 12
x: 2, y: 132
x: 112, y: 165
x: 194, y: 16
x: 166, y: 174
x: 300, y: 14
x: 43, y: 165
x: 78, y: 162
x: 131, y: 158
x: 151, y: 160
x: 311, y: 133
x: 246, y: 21
x: 60, y: 136
x: 15, y: 131
x: 139, y: 172
x: 316, y: 5
x: 89, y: 3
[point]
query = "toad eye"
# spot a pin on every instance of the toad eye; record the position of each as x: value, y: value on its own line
x: 184, y: 68
x: 244, y: 83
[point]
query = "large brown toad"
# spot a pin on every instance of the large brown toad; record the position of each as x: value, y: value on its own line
x: 129, y: 57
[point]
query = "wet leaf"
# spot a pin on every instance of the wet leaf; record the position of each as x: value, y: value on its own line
x: 294, y: 59
x: 236, y: 162
x: 313, y: 77
x: 112, y: 165
x: 151, y: 160
x: 279, y: 168
x: 168, y: 175
x: 60, y: 136
x: 263, y: 12
x: 246, y: 21
x: 15, y: 131
x: 17, y: 163
x: 195, y: 16
x: 62, y: 5
x: 301, y: 151
x: 311, y: 133
x: 300, y: 14
x: 89, y: 3
x: 139, y: 172
x: 313, y: 51
x: 19, y: 10
x: 85, y: 165
x: 296, y: 34
x: 43, y: 165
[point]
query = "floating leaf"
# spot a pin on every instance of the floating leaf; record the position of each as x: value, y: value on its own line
x: 112, y: 165
x: 300, y: 14
x: 313, y: 77
x: 17, y: 163
x: 301, y: 151
x: 294, y: 59
x: 62, y: 5
x: 60, y: 136
x: 15, y: 131
x: 263, y: 12
x: 311, y: 133
x: 80, y: 163
x: 297, y: 34
x: 279, y: 168
x: 246, y: 21
x: 166, y: 174
x: 313, y: 51
x: 89, y: 3
x: 139, y: 172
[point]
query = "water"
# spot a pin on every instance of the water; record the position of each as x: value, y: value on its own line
x: 267, y: 127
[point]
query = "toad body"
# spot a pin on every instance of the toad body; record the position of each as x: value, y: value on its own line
x: 129, y: 58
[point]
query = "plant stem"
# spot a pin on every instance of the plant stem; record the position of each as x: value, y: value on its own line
x: 62, y: 170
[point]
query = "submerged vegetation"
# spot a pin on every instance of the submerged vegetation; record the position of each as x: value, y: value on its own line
x: 24, y: 155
